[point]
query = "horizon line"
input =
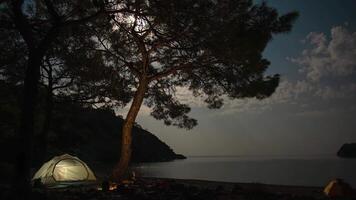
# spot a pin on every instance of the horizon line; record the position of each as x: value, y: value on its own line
x: 257, y: 155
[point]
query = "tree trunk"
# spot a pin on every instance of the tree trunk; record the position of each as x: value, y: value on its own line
x: 43, y: 138
x: 23, y: 171
x: 126, y: 140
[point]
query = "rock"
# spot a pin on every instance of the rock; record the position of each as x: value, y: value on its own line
x: 347, y: 150
x: 180, y: 156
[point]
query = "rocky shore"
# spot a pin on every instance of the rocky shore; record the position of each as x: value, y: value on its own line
x: 347, y: 150
x: 178, y: 189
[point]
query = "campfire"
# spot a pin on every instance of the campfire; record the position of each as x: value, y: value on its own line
x: 108, y: 186
x: 113, y: 186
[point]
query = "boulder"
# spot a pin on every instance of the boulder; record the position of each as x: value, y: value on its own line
x: 347, y: 150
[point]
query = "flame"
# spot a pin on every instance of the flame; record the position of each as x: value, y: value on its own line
x: 112, y: 186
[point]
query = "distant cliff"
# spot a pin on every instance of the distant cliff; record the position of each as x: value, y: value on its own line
x: 347, y: 150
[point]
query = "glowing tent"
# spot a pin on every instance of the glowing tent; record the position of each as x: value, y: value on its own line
x: 64, y: 168
x: 338, y: 188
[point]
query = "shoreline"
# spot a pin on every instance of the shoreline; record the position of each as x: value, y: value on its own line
x: 149, y: 188
x: 260, y: 187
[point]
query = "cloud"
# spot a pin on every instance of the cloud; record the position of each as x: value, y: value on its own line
x: 329, y: 58
x: 346, y: 91
x: 327, y: 73
x: 329, y: 65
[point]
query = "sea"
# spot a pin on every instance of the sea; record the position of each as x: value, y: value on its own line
x: 279, y: 170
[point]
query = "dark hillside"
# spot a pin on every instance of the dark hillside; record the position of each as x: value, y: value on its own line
x: 92, y: 134
x: 347, y: 150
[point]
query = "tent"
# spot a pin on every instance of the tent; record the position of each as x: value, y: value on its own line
x: 62, y: 169
x: 338, y: 188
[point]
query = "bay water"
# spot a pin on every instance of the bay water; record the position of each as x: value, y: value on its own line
x: 280, y: 170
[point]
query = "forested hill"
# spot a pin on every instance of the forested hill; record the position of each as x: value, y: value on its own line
x: 95, y: 135
x: 92, y: 134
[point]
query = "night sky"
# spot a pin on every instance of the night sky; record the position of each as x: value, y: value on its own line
x: 313, y: 111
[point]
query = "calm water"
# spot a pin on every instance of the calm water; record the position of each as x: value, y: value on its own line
x: 310, y: 171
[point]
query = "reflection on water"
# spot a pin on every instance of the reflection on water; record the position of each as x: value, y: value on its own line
x: 311, y: 171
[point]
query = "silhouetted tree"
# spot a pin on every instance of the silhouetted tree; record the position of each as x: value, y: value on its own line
x: 68, y: 71
x: 213, y: 48
x: 36, y: 24
x: 69, y: 74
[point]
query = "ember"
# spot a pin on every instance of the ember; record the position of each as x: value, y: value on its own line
x: 112, y: 186
x: 108, y: 186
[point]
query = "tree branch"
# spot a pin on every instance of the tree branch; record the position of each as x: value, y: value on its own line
x: 65, y: 85
x: 52, y: 11
x: 82, y: 20
x: 128, y: 64
x: 22, y: 23
x: 93, y: 16
x: 170, y: 71
x: 198, y: 63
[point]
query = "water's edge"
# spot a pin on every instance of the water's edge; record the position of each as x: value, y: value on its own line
x: 299, y: 171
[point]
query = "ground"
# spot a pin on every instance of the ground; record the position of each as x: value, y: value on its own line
x: 175, y: 189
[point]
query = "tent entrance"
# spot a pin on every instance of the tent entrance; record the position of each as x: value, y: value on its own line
x: 70, y: 170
